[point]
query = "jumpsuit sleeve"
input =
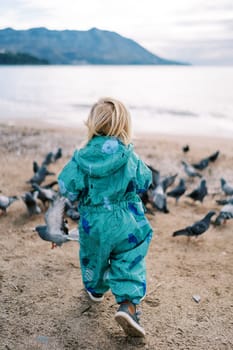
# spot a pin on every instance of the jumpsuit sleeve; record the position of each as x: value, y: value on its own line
x: 70, y: 180
x: 143, y: 177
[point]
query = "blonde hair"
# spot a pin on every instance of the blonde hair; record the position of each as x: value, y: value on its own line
x: 111, y: 118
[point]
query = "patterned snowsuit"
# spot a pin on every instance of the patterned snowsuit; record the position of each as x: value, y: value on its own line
x: 106, y: 177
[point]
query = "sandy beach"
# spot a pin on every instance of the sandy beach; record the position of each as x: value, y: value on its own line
x: 43, y: 304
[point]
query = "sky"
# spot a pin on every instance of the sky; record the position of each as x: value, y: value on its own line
x: 195, y: 31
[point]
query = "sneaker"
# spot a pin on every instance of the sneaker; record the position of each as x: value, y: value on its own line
x: 95, y: 296
x: 128, y: 321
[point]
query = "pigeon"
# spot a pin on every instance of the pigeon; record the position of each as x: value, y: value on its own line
x: 185, y: 148
x: 200, y: 192
x: 48, y: 159
x: 198, y: 228
x: 45, y: 194
x: 71, y: 211
x: 155, y: 176
x: 178, y: 190
x: 214, y: 156
x: 202, y: 164
x: 225, y: 214
x: 227, y: 189
x: 40, y: 175
x: 51, y: 184
x: 30, y: 201
x: 190, y: 170
x: 57, y: 155
x: 165, y: 181
x: 6, y: 201
x: 158, y: 199
x: 55, y: 230
x: 224, y: 201
x: 168, y: 181
x: 52, y: 157
x: 35, y: 166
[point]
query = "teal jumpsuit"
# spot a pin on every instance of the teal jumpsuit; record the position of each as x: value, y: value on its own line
x: 106, y: 178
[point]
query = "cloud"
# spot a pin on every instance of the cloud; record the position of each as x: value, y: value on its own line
x: 164, y: 27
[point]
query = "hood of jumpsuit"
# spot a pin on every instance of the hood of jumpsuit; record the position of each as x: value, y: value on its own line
x: 107, y: 166
x: 103, y: 156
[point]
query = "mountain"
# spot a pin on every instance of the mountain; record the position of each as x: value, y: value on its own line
x: 19, y: 58
x: 93, y: 46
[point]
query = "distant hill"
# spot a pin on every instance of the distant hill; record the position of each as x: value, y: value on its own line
x: 20, y: 58
x: 93, y: 46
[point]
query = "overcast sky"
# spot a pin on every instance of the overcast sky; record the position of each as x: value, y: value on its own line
x: 197, y: 31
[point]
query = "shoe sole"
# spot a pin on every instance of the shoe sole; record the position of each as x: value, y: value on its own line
x: 96, y: 300
x: 130, y: 327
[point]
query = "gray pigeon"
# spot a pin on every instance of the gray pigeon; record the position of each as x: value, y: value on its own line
x: 198, y: 228
x: 45, y: 194
x: 227, y: 189
x: 30, y: 201
x: 155, y: 176
x: 158, y: 199
x: 167, y: 181
x: 190, y: 170
x: 200, y: 192
x: 178, y: 190
x: 71, y: 210
x: 202, y: 164
x: 225, y: 214
x: 55, y: 230
x: 40, y: 175
x: 224, y: 201
x: 6, y: 201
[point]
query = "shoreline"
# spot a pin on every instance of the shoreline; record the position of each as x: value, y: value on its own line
x: 176, y: 141
x: 80, y: 127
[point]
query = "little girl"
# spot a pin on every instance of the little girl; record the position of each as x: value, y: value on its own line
x: 106, y: 177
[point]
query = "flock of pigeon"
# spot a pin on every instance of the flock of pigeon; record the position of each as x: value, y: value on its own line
x: 58, y: 208
x: 158, y: 193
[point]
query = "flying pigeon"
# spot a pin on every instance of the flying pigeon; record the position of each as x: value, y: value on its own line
x: 6, y: 201
x: 30, y: 201
x: 178, y: 190
x: 55, y: 230
x: 227, y: 189
x: 225, y: 214
x: 190, y: 170
x: 158, y: 199
x: 200, y: 192
x: 198, y: 228
x: 45, y: 194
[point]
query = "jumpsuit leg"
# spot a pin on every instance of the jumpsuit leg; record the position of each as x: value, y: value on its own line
x: 127, y: 274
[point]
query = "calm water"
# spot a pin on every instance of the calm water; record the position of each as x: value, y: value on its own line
x: 194, y: 100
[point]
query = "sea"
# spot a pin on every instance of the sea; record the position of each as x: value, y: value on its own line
x: 190, y: 100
